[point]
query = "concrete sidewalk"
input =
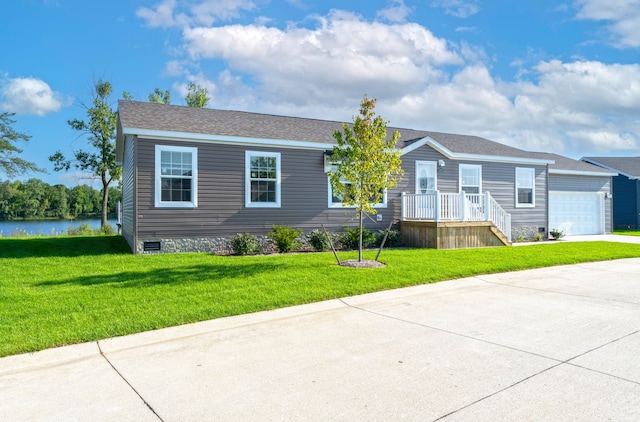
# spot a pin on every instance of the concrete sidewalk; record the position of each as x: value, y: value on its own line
x: 558, y: 343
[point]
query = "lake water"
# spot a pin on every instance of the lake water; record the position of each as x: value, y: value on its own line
x: 47, y: 227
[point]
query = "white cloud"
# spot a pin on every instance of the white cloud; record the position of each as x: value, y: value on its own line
x: 623, y: 17
x: 29, y: 96
x: 342, y: 56
x: 165, y: 14
x: 457, y: 8
x: 396, y: 12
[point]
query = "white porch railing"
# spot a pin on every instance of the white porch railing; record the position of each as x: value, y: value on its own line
x: 439, y: 206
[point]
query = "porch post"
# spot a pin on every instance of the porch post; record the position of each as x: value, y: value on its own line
x: 402, y: 199
x: 509, y: 227
x: 463, y: 206
x: 437, y: 210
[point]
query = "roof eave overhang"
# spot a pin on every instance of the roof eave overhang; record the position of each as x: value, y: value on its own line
x: 618, y: 172
x: 488, y: 158
x: 581, y: 173
x: 224, y: 139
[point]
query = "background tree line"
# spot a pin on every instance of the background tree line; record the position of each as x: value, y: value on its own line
x: 35, y: 199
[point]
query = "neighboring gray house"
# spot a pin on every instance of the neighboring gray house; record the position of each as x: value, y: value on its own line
x: 626, y: 189
x: 194, y: 177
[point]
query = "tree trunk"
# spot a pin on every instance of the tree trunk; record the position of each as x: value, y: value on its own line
x: 360, y: 243
x: 105, y: 203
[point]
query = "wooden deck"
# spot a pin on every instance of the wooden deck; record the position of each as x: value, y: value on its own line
x: 451, y: 234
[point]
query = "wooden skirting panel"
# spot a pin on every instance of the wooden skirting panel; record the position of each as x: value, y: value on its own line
x: 451, y: 234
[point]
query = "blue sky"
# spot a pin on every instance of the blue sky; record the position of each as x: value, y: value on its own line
x: 540, y: 75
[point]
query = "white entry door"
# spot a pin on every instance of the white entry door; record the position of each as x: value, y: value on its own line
x: 426, y: 176
x: 576, y: 213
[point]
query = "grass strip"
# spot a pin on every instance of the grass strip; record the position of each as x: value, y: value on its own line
x: 59, y: 291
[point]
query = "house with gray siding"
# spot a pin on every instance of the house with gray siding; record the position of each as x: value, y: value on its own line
x: 192, y: 178
x: 626, y: 189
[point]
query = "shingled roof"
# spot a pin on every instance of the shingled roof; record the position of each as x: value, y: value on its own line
x: 565, y: 164
x: 628, y: 166
x: 136, y: 117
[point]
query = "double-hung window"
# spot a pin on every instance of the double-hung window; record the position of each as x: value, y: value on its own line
x: 336, y: 200
x: 471, y: 178
x: 525, y: 187
x: 176, y: 178
x: 262, y: 179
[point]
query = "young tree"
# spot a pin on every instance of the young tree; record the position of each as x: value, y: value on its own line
x: 10, y: 164
x: 196, y: 96
x: 159, y: 96
x: 100, y: 130
x: 366, y: 162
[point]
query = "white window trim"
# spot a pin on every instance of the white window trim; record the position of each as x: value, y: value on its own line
x: 194, y: 177
x: 435, y: 177
x: 247, y: 180
x: 332, y: 204
x: 470, y: 166
x: 532, y: 171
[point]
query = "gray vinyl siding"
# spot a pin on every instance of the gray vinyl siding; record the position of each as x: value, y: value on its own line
x: 221, y: 207
x: 567, y: 183
x: 497, y: 178
x: 626, y: 203
x: 128, y: 192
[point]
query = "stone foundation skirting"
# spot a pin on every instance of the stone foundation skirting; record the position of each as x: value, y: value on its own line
x: 526, y: 233
x: 215, y: 245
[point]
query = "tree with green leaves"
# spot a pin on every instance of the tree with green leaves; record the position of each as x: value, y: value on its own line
x: 366, y: 163
x: 10, y: 163
x: 197, y: 96
x: 159, y: 96
x: 100, y: 130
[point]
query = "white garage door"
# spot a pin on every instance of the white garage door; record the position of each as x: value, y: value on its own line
x: 576, y: 213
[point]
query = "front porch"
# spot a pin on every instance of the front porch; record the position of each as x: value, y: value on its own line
x: 452, y: 221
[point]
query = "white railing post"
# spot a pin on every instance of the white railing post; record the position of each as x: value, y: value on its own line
x: 437, y: 206
x: 487, y: 206
x: 402, y: 206
x: 508, y: 228
x: 463, y: 206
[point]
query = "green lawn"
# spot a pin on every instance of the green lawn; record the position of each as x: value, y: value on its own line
x: 57, y: 291
x: 627, y: 232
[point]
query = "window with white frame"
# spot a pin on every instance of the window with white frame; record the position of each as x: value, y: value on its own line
x: 336, y: 200
x: 262, y: 179
x: 525, y: 187
x: 176, y: 176
x: 471, y: 178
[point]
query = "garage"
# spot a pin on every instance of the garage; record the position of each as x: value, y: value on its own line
x: 577, y: 213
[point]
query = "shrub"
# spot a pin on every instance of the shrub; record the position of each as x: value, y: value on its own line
x: 350, y: 239
x: 285, y: 238
x: 81, y: 230
x: 393, y: 239
x: 244, y: 244
x: 557, y: 234
x: 108, y: 230
x: 318, y: 240
x: 538, y: 237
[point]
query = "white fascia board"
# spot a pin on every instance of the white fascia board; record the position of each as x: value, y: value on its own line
x: 234, y: 140
x: 487, y: 158
x: 414, y: 146
x: 580, y: 173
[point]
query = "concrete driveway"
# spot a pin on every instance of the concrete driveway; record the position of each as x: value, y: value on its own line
x: 558, y: 343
